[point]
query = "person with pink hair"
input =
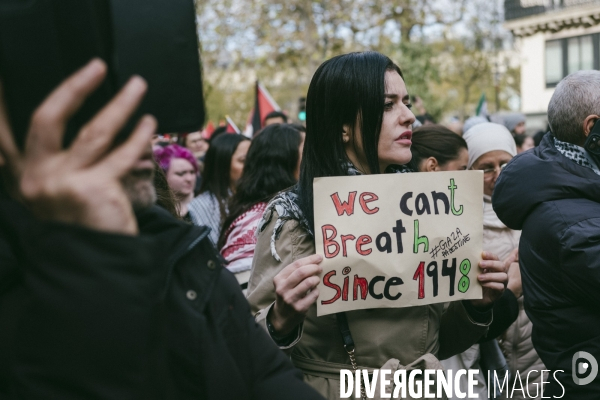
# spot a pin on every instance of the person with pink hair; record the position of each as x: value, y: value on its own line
x: 181, y: 169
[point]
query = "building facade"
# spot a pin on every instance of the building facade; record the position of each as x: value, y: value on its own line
x: 554, y: 38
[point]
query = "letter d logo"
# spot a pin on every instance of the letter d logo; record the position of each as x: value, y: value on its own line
x: 581, y: 367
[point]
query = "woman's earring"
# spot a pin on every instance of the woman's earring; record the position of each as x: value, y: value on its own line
x: 345, y: 138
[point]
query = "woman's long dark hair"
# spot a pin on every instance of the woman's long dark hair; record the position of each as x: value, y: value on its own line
x: 346, y: 90
x: 270, y: 167
x: 217, y: 167
x: 435, y: 141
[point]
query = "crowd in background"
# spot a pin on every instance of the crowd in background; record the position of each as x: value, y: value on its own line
x: 225, y: 181
x: 251, y: 200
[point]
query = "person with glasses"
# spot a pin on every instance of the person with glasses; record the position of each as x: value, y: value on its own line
x: 491, y: 147
x: 436, y: 148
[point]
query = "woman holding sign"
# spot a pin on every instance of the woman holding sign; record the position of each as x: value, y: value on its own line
x: 358, y: 122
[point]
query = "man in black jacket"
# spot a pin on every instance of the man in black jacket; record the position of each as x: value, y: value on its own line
x: 552, y: 193
x: 104, y: 296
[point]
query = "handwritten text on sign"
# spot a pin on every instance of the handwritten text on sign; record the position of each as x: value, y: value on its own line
x: 398, y: 240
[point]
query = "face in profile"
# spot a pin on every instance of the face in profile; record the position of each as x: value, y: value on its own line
x: 237, y: 162
x: 181, y: 177
x: 459, y: 163
x: 396, y: 128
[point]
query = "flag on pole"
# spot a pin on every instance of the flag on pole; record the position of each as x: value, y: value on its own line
x: 209, y: 129
x: 482, y: 110
x: 263, y: 105
x: 231, y: 126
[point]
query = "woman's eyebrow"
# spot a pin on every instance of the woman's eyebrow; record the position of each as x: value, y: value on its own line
x: 394, y: 96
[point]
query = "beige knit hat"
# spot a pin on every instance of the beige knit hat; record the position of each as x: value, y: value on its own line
x: 486, y: 137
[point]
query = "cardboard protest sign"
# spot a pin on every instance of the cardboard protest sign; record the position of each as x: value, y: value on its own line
x: 398, y: 240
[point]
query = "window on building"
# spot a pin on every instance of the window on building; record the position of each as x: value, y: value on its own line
x: 581, y: 53
x: 565, y: 56
x: 554, y: 62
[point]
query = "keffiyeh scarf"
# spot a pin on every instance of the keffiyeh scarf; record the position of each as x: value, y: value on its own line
x: 577, y: 154
x: 287, y: 208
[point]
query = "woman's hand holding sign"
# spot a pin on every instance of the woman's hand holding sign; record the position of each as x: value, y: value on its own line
x: 295, y: 289
x: 494, y: 278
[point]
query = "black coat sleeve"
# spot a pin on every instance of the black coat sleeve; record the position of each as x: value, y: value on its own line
x: 82, y: 314
x: 275, y: 376
x: 267, y: 371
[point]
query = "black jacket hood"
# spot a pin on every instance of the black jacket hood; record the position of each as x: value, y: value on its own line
x: 540, y: 175
x: 174, y: 234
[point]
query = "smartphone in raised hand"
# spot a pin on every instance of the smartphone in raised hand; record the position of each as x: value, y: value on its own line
x: 42, y: 42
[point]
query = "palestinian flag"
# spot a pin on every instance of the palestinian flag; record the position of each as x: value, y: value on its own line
x: 208, y: 130
x: 263, y: 105
x: 231, y: 126
x: 482, y: 110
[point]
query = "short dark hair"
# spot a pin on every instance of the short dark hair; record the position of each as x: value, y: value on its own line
x: 299, y: 127
x: 270, y: 167
x: 346, y: 90
x: 217, y: 132
x: 217, y: 167
x: 276, y: 114
x: 435, y: 141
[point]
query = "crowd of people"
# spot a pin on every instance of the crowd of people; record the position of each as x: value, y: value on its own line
x: 118, y: 261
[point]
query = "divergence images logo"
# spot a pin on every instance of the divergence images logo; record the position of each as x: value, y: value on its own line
x: 584, y: 364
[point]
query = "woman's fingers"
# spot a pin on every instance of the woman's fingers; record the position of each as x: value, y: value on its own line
x: 296, y: 290
x: 287, y: 271
x: 493, y: 266
x: 486, y: 255
x: 122, y: 159
x: 303, y: 273
x: 297, y: 284
x: 49, y: 121
x: 493, y: 277
x: 497, y: 286
x: 298, y: 293
x: 96, y: 137
x: 304, y: 304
